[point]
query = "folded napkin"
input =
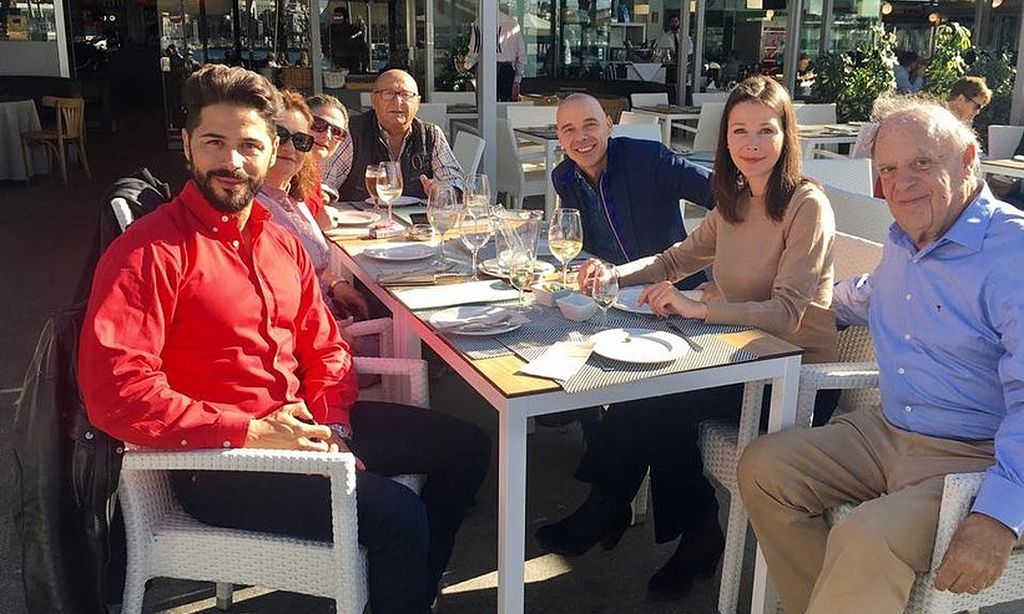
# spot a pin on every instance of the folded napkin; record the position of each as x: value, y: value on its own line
x: 491, y: 319
x: 560, y: 361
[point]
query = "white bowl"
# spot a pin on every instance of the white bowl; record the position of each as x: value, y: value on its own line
x: 546, y: 293
x: 577, y: 307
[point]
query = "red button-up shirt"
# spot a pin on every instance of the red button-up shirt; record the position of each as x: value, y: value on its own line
x: 189, y: 335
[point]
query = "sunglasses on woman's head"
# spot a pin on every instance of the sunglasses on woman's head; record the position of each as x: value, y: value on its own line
x: 300, y: 140
x: 322, y: 125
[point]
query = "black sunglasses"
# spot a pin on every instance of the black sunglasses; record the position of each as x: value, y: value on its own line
x: 322, y: 125
x: 300, y: 140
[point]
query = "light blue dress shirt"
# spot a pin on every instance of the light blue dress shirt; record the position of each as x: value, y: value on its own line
x: 948, y: 327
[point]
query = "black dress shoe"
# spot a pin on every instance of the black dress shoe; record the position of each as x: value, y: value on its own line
x: 595, y: 521
x: 696, y: 555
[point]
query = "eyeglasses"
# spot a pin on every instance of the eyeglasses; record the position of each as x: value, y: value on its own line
x: 321, y: 125
x: 300, y: 140
x: 977, y: 105
x: 390, y: 95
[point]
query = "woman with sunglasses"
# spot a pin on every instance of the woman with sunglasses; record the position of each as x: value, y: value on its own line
x: 290, y: 181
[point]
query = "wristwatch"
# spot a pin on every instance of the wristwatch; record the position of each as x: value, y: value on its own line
x: 341, y: 431
x: 334, y: 284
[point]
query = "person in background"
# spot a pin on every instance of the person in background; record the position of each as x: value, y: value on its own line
x: 909, y: 73
x: 769, y: 240
x: 391, y: 131
x: 945, y: 313
x: 671, y: 39
x: 206, y: 329
x: 805, y: 74
x: 967, y: 97
x: 511, y: 55
x: 345, y: 38
x: 303, y: 60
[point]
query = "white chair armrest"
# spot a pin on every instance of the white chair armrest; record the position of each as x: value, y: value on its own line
x: 250, y: 459
x: 831, y: 376
x: 958, y: 495
x: 414, y: 369
x: 377, y: 326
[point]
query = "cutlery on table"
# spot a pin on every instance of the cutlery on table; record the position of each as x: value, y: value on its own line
x: 696, y: 347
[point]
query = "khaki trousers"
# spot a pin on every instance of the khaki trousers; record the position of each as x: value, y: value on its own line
x: 866, y: 563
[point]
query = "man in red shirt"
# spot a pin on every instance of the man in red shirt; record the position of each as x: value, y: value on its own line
x: 206, y: 329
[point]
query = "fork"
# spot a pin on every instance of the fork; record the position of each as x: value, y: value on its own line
x: 696, y: 347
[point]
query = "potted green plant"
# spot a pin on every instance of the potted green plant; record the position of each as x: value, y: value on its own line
x: 854, y: 80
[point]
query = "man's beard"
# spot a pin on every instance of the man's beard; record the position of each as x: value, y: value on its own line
x: 232, y: 202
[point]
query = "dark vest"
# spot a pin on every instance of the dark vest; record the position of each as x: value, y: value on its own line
x: 369, y: 147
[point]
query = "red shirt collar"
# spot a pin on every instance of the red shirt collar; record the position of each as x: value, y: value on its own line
x: 219, y: 223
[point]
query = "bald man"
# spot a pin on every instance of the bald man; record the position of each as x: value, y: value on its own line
x: 627, y: 190
x: 945, y: 313
x: 391, y: 132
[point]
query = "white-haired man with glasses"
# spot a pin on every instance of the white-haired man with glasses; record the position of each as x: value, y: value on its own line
x: 391, y: 132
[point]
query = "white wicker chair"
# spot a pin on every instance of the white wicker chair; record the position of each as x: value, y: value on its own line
x: 164, y: 541
x: 722, y: 442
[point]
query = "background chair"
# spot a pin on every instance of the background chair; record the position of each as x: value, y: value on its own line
x: 434, y: 113
x: 859, y: 215
x: 706, y: 138
x: 648, y: 100
x: 629, y: 117
x: 468, y: 150
x: 815, y: 114
x: 454, y: 97
x: 1003, y: 140
x: 699, y: 99
x: 523, y: 116
x: 645, y: 132
x: 165, y: 541
x: 69, y: 129
x: 722, y: 442
x: 849, y: 174
x: 516, y: 177
x: 366, y: 100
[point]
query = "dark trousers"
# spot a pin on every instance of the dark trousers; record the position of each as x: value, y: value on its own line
x: 506, y: 79
x: 660, y: 434
x: 408, y: 538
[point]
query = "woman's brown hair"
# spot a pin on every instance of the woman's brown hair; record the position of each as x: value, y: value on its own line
x: 304, y: 183
x: 728, y: 185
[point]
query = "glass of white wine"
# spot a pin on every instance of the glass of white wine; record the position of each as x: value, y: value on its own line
x: 478, y: 191
x: 603, y: 287
x: 565, y: 238
x: 520, y: 273
x: 476, y: 227
x: 389, y: 185
x: 443, y: 212
x: 370, y: 177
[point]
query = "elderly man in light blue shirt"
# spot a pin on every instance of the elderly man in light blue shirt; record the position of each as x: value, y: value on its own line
x: 946, y: 312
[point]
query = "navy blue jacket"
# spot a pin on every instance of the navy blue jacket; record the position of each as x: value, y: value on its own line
x: 641, y: 188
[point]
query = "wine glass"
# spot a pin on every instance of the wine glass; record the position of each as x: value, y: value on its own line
x: 389, y: 185
x: 370, y: 177
x: 478, y: 191
x: 443, y: 212
x: 476, y: 227
x: 520, y: 273
x: 603, y: 287
x: 565, y: 238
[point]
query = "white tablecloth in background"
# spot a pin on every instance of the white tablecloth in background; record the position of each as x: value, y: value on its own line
x: 17, y: 117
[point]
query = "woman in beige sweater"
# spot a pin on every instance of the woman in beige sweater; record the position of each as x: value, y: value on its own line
x: 769, y: 242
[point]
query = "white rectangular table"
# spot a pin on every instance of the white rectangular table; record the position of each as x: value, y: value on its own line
x: 516, y: 398
x: 1008, y: 167
x: 669, y: 113
x: 813, y: 136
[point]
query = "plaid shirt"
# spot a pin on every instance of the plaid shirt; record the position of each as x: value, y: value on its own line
x: 443, y: 163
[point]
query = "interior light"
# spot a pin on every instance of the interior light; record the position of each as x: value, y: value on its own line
x: 887, y: 7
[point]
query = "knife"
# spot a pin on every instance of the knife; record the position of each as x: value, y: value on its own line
x: 417, y: 279
x: 696, y: 347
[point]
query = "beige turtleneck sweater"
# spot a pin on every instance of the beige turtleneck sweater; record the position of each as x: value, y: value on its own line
x: 776, y: 276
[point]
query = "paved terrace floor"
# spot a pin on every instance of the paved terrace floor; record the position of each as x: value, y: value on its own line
x: 46, y: 229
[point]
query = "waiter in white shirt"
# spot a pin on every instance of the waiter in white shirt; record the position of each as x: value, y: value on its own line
x: 511, y: 55
x: 670, y: 39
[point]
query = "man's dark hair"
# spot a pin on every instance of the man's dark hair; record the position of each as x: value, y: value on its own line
x: 971, y: 88
x: 906, y: 58
x: 215, y: 84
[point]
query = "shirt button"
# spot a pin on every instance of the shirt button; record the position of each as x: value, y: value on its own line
x: 906, y: 337
x: 908, y: 408
x: 215, y: 229
x: 910, y: 297
x: 234, y: 244
x: 224, y: 218
x: 901, y: 370
x: 184, y: 443
x: 227, y: 444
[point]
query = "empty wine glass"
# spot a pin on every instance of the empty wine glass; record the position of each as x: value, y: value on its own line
x: 520, y: 273
x: 389, y: 185
x: 603, y: 287
x: 443, y: 213
x: 476, y: 227
x: 565, y: 238
x: 477, y: 191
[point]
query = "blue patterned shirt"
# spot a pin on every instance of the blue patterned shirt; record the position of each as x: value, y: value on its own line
x: 948, y: 325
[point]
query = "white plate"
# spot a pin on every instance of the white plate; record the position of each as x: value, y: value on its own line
x: 492, y: 268
x: 353, y: 218
x: 639, y: 345
x: 401, y: 201
x: 400, y: 252
x: 446, y: 319
x: 628, y: 297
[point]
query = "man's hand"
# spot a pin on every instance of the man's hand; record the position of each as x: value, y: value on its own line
x: 427, y: 183
x: 665, y: 300
x: 976, y: 556
x: 337, y: 444
x: 290, y: 428
x: 515, y: 92
x: 351, y: 300
x: 585, y: 276
x: 711, y: 293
